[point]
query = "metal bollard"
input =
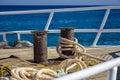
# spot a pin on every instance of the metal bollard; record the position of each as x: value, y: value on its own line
x: 40, y: 46
x: 67, y: 33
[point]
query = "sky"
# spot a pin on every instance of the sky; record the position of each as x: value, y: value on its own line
x: 60, y: 2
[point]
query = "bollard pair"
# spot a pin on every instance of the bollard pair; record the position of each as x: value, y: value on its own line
x: 40, y: 44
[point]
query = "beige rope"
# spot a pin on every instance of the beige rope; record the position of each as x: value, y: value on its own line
x: 70, y: 46
x: 25, y: 73
x: 79, y: 60
x: 45, y: 74
x: 72, y: 65
x: 78, y: 49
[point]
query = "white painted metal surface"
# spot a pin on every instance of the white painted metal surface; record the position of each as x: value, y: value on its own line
x: 112, y: 75
x: 101, y: 27
x: 49, y: 20
x: 59, y: 10
x: 18, y: 36
x: 4, y: 37
x: 109, y: 65
x: 58, y: 31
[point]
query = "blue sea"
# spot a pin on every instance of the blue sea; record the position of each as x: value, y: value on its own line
x: 81, y: 20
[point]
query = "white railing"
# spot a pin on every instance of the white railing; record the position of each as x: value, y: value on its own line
x: 110, y: 66
x: 52, y: 11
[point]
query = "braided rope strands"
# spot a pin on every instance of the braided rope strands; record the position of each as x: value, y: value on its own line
x: 25, y: 73
x: 45, y: 74
x: 69, y: 45
x: 79, y: 60
x: 77, y: 49
x: 72, y: 65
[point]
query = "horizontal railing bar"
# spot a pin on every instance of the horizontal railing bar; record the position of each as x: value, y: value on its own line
x: 111, y: 30
x: 15, y: 32
x: 54, y: 31
x: 58, y: 31
x: 76, y: 30
x: 59, y: 10
x: 92, y: 70
x: 96, y: 30
x: 24, y: 12
x: 87, y: 8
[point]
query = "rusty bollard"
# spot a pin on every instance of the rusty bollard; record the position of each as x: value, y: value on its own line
x: 40, y: 46
x: 67, y: 33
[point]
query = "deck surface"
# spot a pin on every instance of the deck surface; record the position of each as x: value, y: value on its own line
x: 27, y: 54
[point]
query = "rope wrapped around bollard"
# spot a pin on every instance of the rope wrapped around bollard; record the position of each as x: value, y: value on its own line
x: 76, y: 48
x: 79, y: 59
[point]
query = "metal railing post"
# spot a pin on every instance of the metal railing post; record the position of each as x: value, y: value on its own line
x: 112, y: 74
x: 101, y: 27
x: 49, y: 20
x: 18, y: 36
x: 4, y: 37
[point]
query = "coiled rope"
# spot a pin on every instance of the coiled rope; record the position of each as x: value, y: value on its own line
x: 72, y: 65
x: 79, y: 59
x: 76, y: 48
x: 45, y: 74
x: 26, y: 73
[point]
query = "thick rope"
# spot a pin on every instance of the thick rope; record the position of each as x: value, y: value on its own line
x: 78, y: 49
x: 80, y: 58
x: 72, y: 65
x: 70, y: 46
x: 45, y: 74
x: 25, y: 73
